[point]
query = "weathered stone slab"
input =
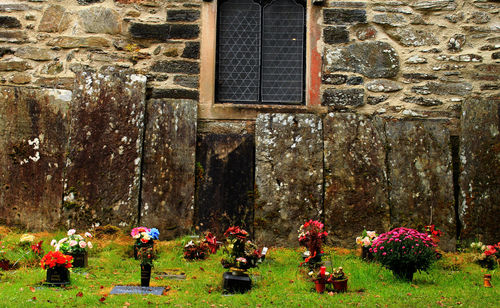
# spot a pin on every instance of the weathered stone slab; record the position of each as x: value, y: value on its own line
x: 420, y: 176
x: 103, y: 168
x: 163, y: 32
x: 288, y: 175
x: 435, y: 5
x: 372, y: 59
x: 34, y: 53
x: 100, y: 20
x: 356, y: 192
x: 343, y: 16
x: 342, y: 98
x: 79, y: 42
x: 442, y: 88
x: 34, y: 130
x: 479, y: 205
x: 408, y: 36
x: 13, y: 36
x: 168, y: 168
x: 9, y: 22
x: 225, y: 164
x: 14, y: 65
x: 383, y: 85
x: 55, y: 19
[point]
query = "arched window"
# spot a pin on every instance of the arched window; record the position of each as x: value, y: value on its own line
x: 260, y: 51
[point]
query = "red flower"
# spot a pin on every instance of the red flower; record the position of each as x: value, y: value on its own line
x: 211, y: 240
x: 37, y: 248
x: 490, y: 250
x: 236, y: 232
x: 56, y: 258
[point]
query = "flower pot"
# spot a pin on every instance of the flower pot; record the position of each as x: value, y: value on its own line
x: 405, y: 275
x: 340, y: 285
x: 320, y: 286
x: 58, y: 275
x: 366, y: 254
x: 145, y: 275
x: 236, y: 283
x: 80, y: 259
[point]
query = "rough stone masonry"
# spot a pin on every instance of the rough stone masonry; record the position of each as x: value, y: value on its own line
x: 103, y: 120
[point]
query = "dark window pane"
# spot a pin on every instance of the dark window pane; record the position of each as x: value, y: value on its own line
x: 282, y: 52
x: 238, y: 56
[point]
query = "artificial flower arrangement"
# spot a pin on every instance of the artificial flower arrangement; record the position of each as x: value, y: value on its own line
x: 488, y: 255
x: 57, y: 265
x: 32, y: 251
x: 56, y: 259
x: 322, y: 278
x: 199, y: 250
x: 76, y: 246
x: 312, y: 235
x: 435, y: 235
x: 26, y: 240
x: 144, y: 237
x: 74, y: 243
x: 365, y: 240
x: 404, y: 251
x: 242, y: 253
x: 144, y: 250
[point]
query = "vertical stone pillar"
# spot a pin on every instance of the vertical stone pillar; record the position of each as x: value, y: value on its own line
x: 356, y: 194
x: 288, y: 175
x: 225, y: 164
x: 479, y: 202
x: 102, y: 173
x: 34, y: 131
x: 168, y: 167
x: 420, y: 176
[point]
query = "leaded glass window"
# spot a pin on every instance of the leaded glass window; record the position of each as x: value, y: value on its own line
x: 260, y: 51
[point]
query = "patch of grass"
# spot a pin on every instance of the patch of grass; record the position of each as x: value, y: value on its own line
x: 277, y: 282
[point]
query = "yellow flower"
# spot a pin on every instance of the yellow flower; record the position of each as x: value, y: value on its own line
x: 27, y: 238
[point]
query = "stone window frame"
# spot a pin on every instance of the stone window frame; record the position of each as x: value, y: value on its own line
x: 209, y: 109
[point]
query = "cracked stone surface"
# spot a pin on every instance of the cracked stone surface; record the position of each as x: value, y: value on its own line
x: 34, y: 128
x: 479, y: 202
x: 355, y: 176
x: 420, y: 175
x: 288, y: 175
x: 103, y: 166
x: 168, y: 167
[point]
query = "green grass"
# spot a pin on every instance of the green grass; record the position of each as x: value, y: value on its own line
x: 277, y: 282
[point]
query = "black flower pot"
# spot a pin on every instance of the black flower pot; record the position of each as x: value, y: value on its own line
x: 145, y: 275
x: 366, y: 254
x: 58, y: 275
x: 80, y: 259
x: 240, y: 283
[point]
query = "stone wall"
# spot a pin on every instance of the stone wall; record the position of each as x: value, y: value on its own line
x: 109, y: 89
